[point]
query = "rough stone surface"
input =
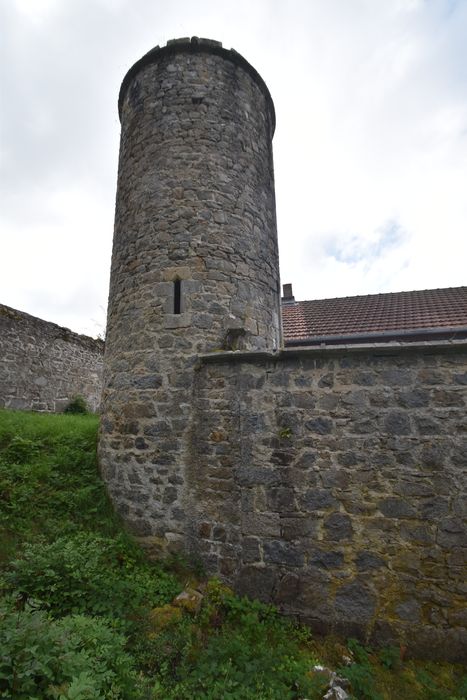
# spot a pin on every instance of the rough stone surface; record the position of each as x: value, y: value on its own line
x: 43, y: 366
x: 195, y: 208
x: 371, y: 518
x: 330, y: 481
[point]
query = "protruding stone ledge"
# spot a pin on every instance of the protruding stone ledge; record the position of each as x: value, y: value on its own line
x: 196, y: 45
x: 381, y: 349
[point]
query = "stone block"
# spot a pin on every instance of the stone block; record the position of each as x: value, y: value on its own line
x: 409, y: 610
x: 250, y: 476
x: 287, y: 590
x: 318, y: 499
x: 396, y: 508
x: 256, y: 582
x: 397, y: 423
x: 338, y: 526
x: 320, y: 425
x: 452, y: 533
x: 251, y: 551
x: 294, y: 528
x: 355, y: 601
x: 368, y: 561
x: 325, y: 559
x: 282, y: 553
x: 261, y: 524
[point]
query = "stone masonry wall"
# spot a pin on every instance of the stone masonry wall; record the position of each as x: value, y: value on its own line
x: 333, y: 483
x: 43, y: 366
x: 195, y: 207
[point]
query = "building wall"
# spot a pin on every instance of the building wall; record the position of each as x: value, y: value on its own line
x: 43, y: 366
x: 333, y: 483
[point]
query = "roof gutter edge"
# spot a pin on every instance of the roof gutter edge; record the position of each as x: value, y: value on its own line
x: 417, y: 334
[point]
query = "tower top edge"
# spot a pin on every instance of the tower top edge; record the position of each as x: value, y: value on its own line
x: 195, y: 45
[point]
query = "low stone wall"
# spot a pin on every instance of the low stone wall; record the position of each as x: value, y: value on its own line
x: 43, y: 366
x: 332, y: 483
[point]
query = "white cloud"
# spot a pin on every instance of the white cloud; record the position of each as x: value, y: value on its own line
x: 371, y: 128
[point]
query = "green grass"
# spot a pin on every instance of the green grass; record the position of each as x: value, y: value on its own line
x: 83, y: 614
x: 49, y: 483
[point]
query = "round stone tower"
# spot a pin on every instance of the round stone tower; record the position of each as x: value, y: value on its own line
x: 194, y: 265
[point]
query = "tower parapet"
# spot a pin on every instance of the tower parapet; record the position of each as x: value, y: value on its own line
x: 194, y: 265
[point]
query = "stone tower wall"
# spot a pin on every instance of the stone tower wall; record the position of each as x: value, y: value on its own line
x: 195, y: 208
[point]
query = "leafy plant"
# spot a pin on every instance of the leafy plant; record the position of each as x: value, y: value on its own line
x: 360, y: 674
x: 285, y: 433
x: 241, y: 649
x: 77, y: 405
x: 390, y: 657
x: 75, y: 658
x: 91, y: 574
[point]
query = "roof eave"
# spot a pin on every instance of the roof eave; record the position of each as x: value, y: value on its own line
x: 408, y: 336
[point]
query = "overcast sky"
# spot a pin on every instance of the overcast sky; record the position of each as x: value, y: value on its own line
x: 370, y: 147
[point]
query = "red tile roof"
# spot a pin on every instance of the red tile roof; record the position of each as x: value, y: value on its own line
x: 387, y: 315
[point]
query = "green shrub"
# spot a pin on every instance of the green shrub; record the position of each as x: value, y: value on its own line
x: 360, y: 674
x: 77, y: 405
x: 76, y: 658
x: 248, y: 653
x: 87, y: 573
x: 390, y: 657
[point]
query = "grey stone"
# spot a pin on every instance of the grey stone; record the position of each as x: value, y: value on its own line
x: 338, y: 526
x: 306, y: 460
x: 261, y: 524
x: 367, y: 561
x: 282, y: 457
x: 251, y: 552
x: 417, y: 488
x: 318, y: 499
x: 452, y: 533
x: 396, y: 508
x: 153, y: 381
x: 348, y: 459
x: 354, y: 601
x: 287, y: 590
x: 281, y: 499
x: 397, y: 423
x: 434, y: 508
x: 326, y: 381
x: 320, y: 425
x: 326, y: 559
x: 365, y: 379
x: 428, y: 425
x: 279, y: 552
x: 432, y: 456
x: 335, y: 478
x: 396, y: 377
x: 414, y: 398
x: 295, y: 527
x: 249, y: 476
x: 256, y: 582
x: 219, y: 533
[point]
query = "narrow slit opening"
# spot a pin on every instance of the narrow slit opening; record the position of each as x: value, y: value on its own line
x: 177, y: 296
